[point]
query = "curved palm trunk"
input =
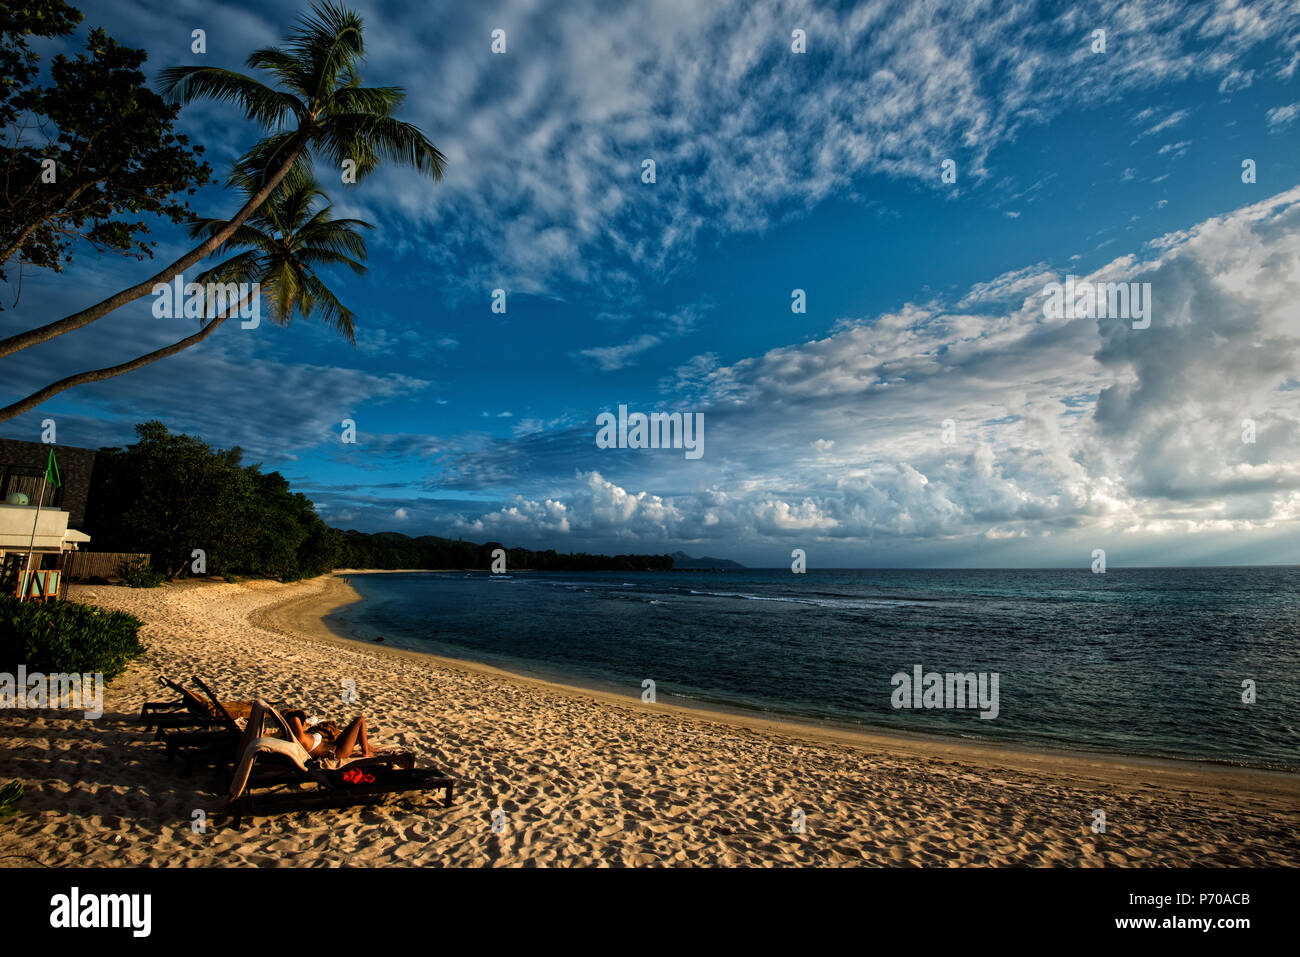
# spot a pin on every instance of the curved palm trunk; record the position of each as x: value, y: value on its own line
x: 84, y: 318
x: 98, y: 375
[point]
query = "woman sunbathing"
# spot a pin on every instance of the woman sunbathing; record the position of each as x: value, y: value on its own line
x: 323, y: 740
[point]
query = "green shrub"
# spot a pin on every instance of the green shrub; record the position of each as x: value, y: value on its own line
x: 57, y: 637
x: 9, y: 795
x: 230, y: 579
x: 138, y: 573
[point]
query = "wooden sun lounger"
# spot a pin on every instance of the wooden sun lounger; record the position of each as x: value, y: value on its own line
x: 333, y: 792
x: 187, y: 711
x: 153, y: 710
x: 276, y: 782
x: 198, y: 717
x: 179, y: 713
x: 219, y: 745
x: 220, y: 734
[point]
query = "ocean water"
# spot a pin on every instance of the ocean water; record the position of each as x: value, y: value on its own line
x: 1132, y: 661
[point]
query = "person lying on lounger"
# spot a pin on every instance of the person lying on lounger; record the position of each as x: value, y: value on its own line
x: 323, y: 740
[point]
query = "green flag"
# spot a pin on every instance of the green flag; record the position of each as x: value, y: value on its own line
x: 52, y: 471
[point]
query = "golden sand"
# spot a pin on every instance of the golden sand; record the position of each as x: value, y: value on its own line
x: 582, y: 778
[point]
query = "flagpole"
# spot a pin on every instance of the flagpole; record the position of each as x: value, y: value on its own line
x: 25, y: 586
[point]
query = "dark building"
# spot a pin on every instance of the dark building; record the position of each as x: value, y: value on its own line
x: 22, y: 464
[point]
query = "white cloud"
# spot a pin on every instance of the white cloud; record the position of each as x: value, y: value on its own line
x: 670, y: 326
x: 1236, y: 81
x: 613, y: 358
x: 1171, y: 120
x: 713, y: 94
x: 1279, y: 118
x: 1013, y: 285
x: 1082, y: 426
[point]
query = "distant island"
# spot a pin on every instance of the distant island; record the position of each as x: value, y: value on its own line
x: 683, y: 561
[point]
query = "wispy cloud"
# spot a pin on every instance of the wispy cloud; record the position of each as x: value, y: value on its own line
x: 1280, y: 117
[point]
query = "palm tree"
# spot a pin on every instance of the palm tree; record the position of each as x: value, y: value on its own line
x: 315, y: 108
x: 282, y: 245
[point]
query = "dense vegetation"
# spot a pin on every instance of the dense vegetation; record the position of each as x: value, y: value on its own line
x: 169, y: 495
x: 63, y: 637
x: 87, y: 153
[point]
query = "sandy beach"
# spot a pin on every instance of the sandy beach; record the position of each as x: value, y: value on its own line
x: 583, y: 778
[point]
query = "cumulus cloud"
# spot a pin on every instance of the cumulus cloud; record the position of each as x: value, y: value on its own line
x: 600, y: 507
x: 1061, y: 425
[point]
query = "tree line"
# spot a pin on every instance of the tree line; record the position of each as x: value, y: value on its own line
x: 394, y: 550
x: 199, y: 510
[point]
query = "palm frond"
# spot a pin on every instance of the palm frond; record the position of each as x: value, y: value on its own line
x: 331, y: 311
x: 368, y: 139
x: 294, y: 207
x: 246, y: 235
x: 261, y: 104
x: 288, y: 69
x: 282, y: 291
x: 322, y: 256
x: 245, y: 267
x: 344, y: 242
x: 264, y: 158
x: 330, y: 39
x: 377, y: 100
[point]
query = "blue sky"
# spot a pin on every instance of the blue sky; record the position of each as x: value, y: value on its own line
x: 775, y: 171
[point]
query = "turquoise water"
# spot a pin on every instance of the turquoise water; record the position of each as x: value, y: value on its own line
x: 1133, y: 661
